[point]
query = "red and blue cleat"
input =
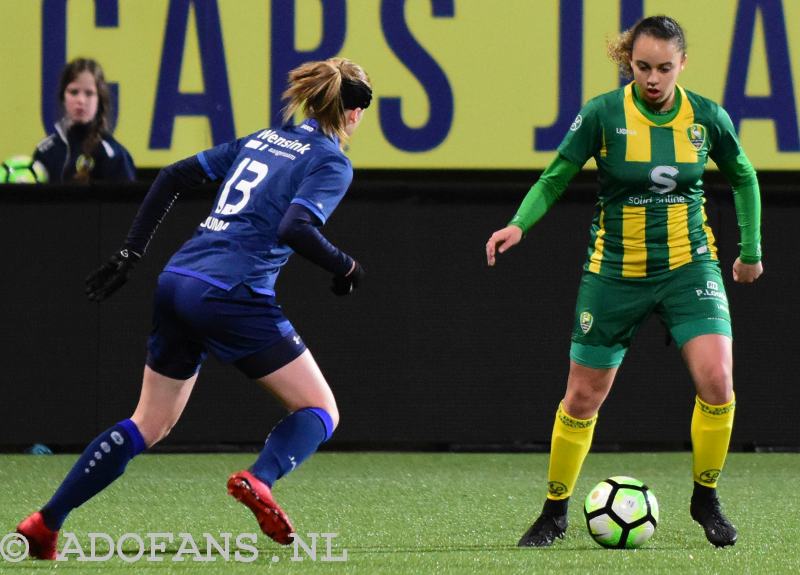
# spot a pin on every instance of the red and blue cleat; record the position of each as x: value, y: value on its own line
x: 41, y: 539
x: 257, y: 496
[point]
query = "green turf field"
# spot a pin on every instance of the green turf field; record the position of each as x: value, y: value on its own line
x: 414, y: 513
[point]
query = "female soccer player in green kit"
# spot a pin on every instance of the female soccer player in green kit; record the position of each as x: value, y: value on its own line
x: 651, y: 251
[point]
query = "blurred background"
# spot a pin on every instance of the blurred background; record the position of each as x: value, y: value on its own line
x: 471, y: 99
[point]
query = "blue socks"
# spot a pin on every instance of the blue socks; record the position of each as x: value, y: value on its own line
x: 291, y: 442
x: 98, y: 466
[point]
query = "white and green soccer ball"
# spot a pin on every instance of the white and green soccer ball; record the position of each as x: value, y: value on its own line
x: 22, y: 170
x: 621, y: 513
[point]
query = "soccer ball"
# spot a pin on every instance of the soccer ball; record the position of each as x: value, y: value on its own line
x: 621, y: 513
x: 22, y: 170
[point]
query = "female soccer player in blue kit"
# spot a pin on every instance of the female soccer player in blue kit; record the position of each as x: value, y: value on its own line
x: 217, y: 293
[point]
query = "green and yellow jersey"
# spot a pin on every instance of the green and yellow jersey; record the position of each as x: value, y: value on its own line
x: 650, y: 216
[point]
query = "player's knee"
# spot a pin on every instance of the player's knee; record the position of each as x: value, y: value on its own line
x: 722, y: 376
x: 165, y: 430
x: 154, y: 432
x: 715, y: 383
x: 582, y: 402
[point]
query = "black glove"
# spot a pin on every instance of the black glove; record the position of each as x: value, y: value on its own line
x: 344, y: 285
x: 112, y: 275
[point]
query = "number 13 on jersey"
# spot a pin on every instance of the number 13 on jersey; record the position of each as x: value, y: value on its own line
x: 244, y: 182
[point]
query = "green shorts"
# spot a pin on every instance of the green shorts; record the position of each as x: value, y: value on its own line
x: 690, y: 300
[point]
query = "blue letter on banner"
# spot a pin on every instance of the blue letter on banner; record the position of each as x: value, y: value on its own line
x: 215, y: 102
x: 285, y: 57
x: 427, y: 71
x: 779, y: 106
x: 54, y: 54
x: 570, y: 76
x: 630, y: 12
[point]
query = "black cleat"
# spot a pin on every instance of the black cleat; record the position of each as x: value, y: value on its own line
x: 707, y: 512
x: 544, y: 531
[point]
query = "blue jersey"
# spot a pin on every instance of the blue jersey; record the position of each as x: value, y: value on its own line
x: 262, y: 174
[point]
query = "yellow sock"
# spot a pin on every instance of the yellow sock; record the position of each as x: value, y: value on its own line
x: 571, y: 441
x: 711, y: 434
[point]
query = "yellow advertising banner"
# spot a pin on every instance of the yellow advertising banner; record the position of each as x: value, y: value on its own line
x: 468, y: 84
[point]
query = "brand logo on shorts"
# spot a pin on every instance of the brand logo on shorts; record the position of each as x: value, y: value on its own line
x: 712, y: 291
x: 586, y: 321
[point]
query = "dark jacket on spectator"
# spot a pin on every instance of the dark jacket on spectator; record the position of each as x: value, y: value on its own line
x: 61, y: 153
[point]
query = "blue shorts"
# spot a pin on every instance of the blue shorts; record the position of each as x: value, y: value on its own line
x: 192, y: 318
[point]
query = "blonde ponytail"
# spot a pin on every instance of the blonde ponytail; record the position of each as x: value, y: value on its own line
x: 316, y: 89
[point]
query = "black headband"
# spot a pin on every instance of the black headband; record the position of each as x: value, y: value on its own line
x: 355, y: 94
